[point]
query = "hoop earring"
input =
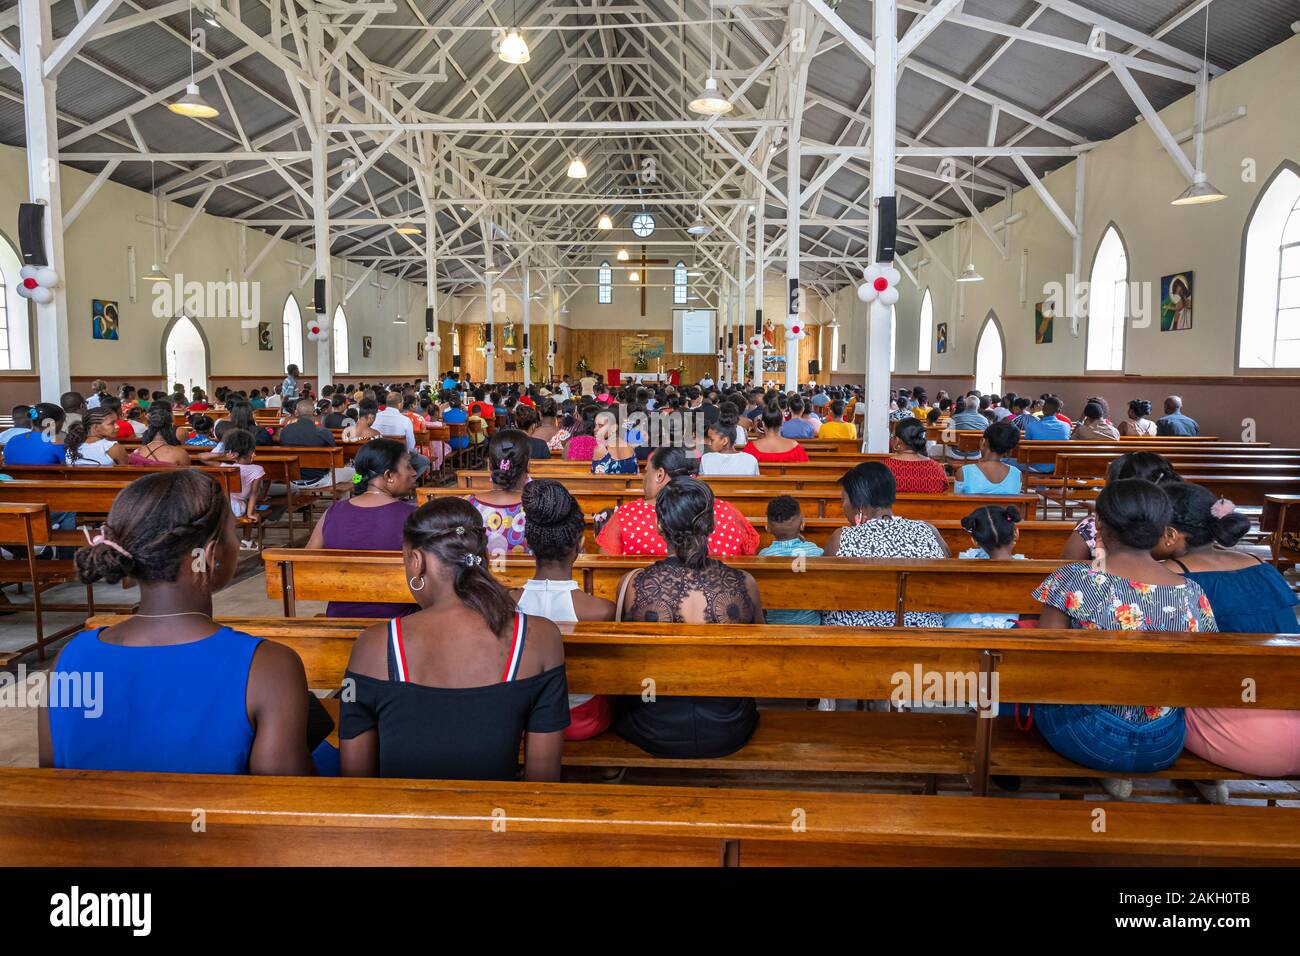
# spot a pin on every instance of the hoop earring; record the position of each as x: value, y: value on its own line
x: 411, y: 584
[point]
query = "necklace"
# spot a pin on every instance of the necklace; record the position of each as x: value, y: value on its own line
x: 175, y: 614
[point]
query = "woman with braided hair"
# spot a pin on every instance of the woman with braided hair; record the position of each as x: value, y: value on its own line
x: 173, y: 691
x: 92, y: 441
x: 688, y: 587
x: 450, y: 691
x: 372, y: 518
x: 508, y: 454
x: 159, y: 445
x: 555, y: 530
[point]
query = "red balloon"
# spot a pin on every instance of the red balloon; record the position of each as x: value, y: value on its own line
x: 881, y: 283
x: 30, y: 283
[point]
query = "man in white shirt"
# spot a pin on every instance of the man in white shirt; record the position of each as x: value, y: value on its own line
x: 391, y: 421
x: 274, y: 400
x: 706, y: 383
x: 588, y: 385
x: 565, y: 389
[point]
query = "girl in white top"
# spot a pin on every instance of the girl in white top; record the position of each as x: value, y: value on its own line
x: 723, y: 458
x: 1138, y: 423
x: 90, y: 442
x: 554, y: 532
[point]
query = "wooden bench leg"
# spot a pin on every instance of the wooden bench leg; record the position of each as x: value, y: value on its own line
x: 984, y: 725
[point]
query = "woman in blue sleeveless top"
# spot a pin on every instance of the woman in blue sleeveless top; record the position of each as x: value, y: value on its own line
x: 170, y: 690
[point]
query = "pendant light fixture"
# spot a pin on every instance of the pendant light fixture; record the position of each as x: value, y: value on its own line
x: 1201, y: 190
x: 970, y: 273
x: 513, y: 49
x: 577, y: 168
x: 605, y: 223
x: 155, y: 273
x: 409, y: 229
x: 710, y: 102
x: 622, y: 255
x: 192, y: 104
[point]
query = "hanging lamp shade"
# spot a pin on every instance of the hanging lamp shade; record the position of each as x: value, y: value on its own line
x: 622, y: 255
x: 577, y: 169
x: 699, y: 227
x: 1199, y: 192
x: 605, y: 222
x: 155, y: 274
x: 409, y: 229
x: 193, y: 105
x: 970, y: 274
x: 514, y: 49
x: 710, y: 102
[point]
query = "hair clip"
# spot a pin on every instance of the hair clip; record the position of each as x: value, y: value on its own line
x: 356, y: 479
x: 33, y: 413
x: 1222, y: 508
x: 505, y: 464
x: 470, y: 560
x: 101, y: 538
x: 460, y: 529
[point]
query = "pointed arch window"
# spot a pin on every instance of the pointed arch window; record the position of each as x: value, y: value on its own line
x: 926, y: 345
x: 1270, y: 277
x: 291, y: 325
x: 1107, y: 305
x: 990, y: 358
x: 680, y: 288
x: 339, y: 337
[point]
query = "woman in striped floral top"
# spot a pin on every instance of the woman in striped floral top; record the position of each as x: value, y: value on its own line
x: 1125, y: 589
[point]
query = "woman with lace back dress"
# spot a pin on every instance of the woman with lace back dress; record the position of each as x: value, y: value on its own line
x: 688, y: 587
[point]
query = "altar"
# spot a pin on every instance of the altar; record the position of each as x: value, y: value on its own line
x: 642, y: 377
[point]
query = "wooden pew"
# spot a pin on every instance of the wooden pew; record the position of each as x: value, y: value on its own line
x: 815, y: 504
x: 1271, y: 461
x: 819, y: 584
x: 1044, y: 452
x: 28, y: 526
x: 100, y: 818
x: 1280, y: 517
x: 228, y: 476
x: 771, y: 661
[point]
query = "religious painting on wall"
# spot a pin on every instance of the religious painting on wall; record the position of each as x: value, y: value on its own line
x: 642, y: 353
x: 103, y: 319
x: 366, y: 344
x: 774, y: 363
x: 941, y: 338
x: 508, y: 336
x: 1044, y: 318
x: 1176, y: 302
x: 264, y: 336
x: 844, y: 353
x: 419, y: 350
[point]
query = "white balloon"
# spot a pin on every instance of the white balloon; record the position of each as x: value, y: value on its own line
x: 29, y: 272
x: 864, y: 292
x: 47, y: 277
x: 42, y: 295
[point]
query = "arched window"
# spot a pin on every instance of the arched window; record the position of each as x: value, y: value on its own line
x: 15, y: 346
x: 989, y: 357
x: 339, y: 334
x: 1107, y: 305
x: 1270, y: 277
x: 291, y: 323
x: 186, y: 354
x: 605, y: 281
x: 926, y: 347
x: 679, y: 284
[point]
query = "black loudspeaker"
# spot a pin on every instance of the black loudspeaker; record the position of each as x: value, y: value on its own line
x: 525, y: 340
x: 428, y: 319
x: 487, y: 332
x: 888, y: 229
x: 814, y: 367
x: 794, y: 297
x: 319, y: 298
x: 758, y: 321
x: 455, y: 363
x: 731, y: 341
x: 31, y: 233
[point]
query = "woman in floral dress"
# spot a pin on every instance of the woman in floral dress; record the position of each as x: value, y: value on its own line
x: 1126, y: 589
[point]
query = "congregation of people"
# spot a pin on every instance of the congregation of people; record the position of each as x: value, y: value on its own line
x: 449, y: 684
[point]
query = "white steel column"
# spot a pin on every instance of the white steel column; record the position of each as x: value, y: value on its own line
x: 320, y: 208
x: 793, y: 186
x: 43, y: 188
x: 432, y: 356
x: 883, y: 81
x: 554, y: 307
x: 742, y: 333
x: 527, y: 353
x: 489, y: 363
x: 760, y: 266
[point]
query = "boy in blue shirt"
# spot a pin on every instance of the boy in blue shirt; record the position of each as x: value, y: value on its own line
x: 785, y: 523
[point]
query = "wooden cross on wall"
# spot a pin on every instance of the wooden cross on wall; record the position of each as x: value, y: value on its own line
x: 645, y: 273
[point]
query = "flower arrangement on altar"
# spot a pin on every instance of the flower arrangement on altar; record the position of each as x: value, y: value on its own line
x: 583, y: 367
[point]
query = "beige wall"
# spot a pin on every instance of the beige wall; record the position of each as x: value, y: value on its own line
x: 95, y: 249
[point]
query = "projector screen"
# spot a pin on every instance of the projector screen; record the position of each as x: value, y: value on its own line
x: 693, y: 332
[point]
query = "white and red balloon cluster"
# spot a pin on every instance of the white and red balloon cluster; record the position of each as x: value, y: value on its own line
x: 38, y: 283
x: 318, y: 328
x: 880, y: 282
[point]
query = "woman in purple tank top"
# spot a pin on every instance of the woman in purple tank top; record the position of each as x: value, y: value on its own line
x: 372, y: 519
